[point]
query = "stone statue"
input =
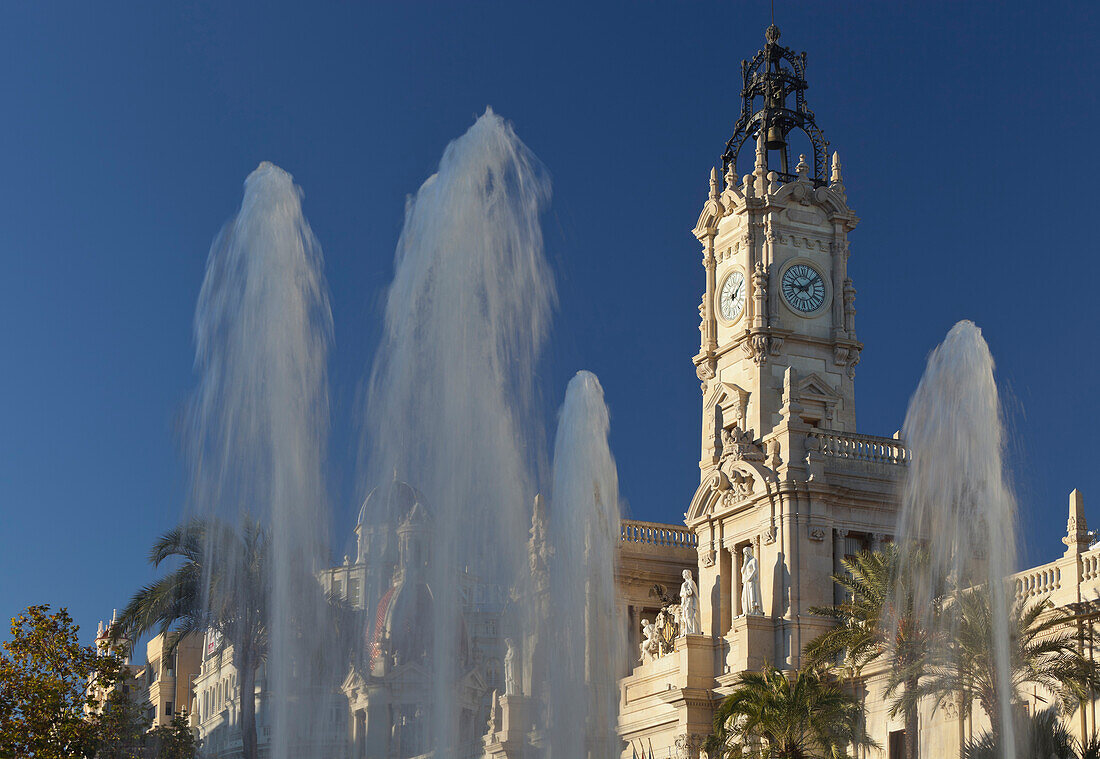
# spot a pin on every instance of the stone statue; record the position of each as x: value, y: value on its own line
x: 689, y: 606
x: 651, y: 643
x: 510, y: 685
x: 750, y: 585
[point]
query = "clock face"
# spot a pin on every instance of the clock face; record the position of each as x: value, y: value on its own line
x: 731, y: 300
x: 803, y: 288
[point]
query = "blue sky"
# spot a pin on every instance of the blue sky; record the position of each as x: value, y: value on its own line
x: 966, y: 132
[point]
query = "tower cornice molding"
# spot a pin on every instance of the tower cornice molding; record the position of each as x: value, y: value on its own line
x: 790, y: 196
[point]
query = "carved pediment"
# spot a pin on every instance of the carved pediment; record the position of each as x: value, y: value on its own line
x: 816, y: 386
x: 411, y: 675
x: 727, y: 487
x: 729, y: 398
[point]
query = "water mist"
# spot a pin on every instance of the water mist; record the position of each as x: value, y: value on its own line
x: 587, y: 643
x: 956, y: 499
x: 259, y: 422
x: 449, y: 401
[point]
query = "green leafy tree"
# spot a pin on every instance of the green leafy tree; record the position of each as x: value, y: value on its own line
x: 175, y: 740
x: 121, y: 722
x: 1043, y: 652
x: 770, y: 715
x: 875, y: 620
x: 221, y: 583
x: 47, y: 686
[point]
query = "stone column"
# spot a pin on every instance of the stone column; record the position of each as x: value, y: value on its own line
x: 710, y: 329
x: 838, y: 554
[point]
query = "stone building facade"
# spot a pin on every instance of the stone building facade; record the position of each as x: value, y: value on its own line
x: 786, y: 480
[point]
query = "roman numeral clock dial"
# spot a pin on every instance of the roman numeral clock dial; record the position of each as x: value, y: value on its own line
x: 803, y: 288
x: 731, y: 299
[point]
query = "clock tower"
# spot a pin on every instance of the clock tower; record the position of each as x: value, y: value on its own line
x: 778, y: 340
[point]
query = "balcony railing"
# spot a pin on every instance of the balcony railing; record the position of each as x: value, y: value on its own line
x: 1037, y: 581
x: 657, y: 534
x: 848, y: 445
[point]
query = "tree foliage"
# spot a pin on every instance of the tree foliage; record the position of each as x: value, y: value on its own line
x: 1043, y: 652
x: 121, y: 722
x: 222, y: 584
x: 176, y: 740
x: 770, y: 715
x: 1042, y: 735
x: 876, y: 619
x: 47, y: 682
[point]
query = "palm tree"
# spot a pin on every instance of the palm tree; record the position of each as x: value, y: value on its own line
x: 1042, y: 735
x: 802, y: 716
x: 875, y: 620
x: 1042, y: 651
x: 220, y: 585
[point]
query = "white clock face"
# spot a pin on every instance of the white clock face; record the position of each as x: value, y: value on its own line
x: 803, y: 288
x: 731, y: 299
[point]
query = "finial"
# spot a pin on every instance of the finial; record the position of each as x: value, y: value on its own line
x: 731, y: 177
x: 802, y: 168
x: 1077, y: 508
x: 1077, y: 537
x: 772, y: 34
x: 713, y: 183
x: 836, y: 177
x: 761, y: 154
x: 750, y: 186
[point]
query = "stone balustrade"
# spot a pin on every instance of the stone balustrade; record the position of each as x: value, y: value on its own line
x: 1090, y: 566
x: 848, y: 445
x: 657, y: 534
x: 1037, y: 581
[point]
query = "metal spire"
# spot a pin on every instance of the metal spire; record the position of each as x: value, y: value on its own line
x: 776, y: 76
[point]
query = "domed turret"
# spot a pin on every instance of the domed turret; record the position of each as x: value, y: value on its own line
x: 384, y: 506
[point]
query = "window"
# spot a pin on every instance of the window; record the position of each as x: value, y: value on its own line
x: 353, y: 591
x: 337, y: 589
x: 167, y: 708
x: 897, y: 744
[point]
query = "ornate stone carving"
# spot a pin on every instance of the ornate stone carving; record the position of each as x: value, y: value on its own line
x: 740, y: 445
x: 538, y: 549
x: 688, y: 745
x: 853, y: 360
x: 494, y: 707
x: 706, y: 558
x: 650, y: 646
x: 951, y: 708
x: 770, y: 534
x: 759, y: 293
x: 774, y: 458
x: 817, y: 533
x: 704, y: 367
x: 718, y: 481
x: 741, y: 485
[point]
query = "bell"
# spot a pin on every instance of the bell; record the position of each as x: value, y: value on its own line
x: 775, y: 140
